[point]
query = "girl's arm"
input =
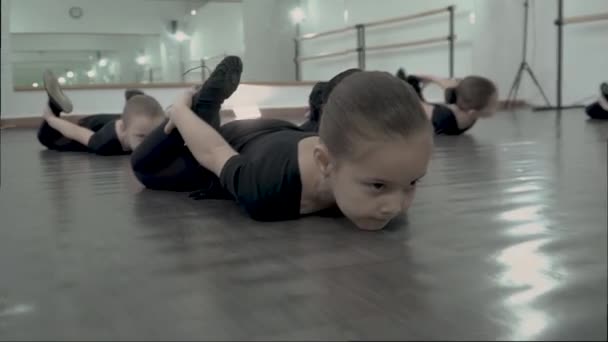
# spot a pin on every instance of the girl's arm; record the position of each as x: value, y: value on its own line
x: 70, y: 130
x: 444, y: 83
x: 206, y: 144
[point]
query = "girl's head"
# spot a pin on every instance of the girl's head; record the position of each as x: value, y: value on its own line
x: 474, y: 94
x: 141, y: 114
x: 331, y: 84
x: 129, y: 93
x: 376, y: 143
x: 321, y: 91
x: 315, y: 101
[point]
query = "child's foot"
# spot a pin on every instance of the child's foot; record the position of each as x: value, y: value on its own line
x: 603, y: 99
x: 225, y: 78
x: 401, y: 74
x: 220, y: 85
x: 58, y: 102
x: 412, y: 80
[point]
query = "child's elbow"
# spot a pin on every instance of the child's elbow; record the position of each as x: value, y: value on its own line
x: 215, y: 159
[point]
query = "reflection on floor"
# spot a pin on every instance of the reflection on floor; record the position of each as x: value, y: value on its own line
x: 506, y: 240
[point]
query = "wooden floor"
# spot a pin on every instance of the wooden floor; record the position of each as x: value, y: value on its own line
x: 506, y: 240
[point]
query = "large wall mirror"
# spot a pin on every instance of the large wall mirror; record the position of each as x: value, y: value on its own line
x: 92, y: 42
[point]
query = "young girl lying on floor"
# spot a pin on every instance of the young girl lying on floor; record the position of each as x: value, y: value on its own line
x: 374, y: 144
x: 599, y: 109
x: 467, y: 100
x: 103, y: 134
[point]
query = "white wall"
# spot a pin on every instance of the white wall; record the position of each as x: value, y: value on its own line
x: 332, y: 14
x: 269, y: 47
x: 6, y: 78
x: 585, y: 48
x: 217, y: 28
x: 490, y: 47
x: 108, y: 16
x: 91, y: 101
x: 173, y: 58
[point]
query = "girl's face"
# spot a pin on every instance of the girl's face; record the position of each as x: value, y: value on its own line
x: 138, y: 129
x: 379, y: 181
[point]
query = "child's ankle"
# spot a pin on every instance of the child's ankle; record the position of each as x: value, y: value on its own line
x: 603, y: 103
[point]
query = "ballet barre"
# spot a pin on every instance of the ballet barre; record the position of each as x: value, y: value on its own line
x: 411, y: 43
x: 325, y: 33
x: 327, y: 54
x: 361, y: 49
x: 560, y: 22
x: 584, y: 18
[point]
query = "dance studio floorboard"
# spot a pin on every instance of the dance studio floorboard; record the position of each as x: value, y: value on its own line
x: 506, y: 240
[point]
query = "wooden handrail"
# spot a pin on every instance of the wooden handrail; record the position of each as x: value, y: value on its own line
x: 585, y: 18
x: 63, y: 33
x: 157, y: 85
x: 326, y: 33
x: 406, y: 17
x: 407, y: 44
x: 220, y: 55
x: 374, y: 23
x: 326, y: 55
x: 377, y: 47
x: 114, y: 86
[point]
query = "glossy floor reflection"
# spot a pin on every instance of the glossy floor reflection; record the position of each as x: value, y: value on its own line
x: 506, y: 240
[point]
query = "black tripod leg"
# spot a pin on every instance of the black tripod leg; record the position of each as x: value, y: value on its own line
x: 537, y: 85
x: 515, y: 87
x: 512, y: 87
x: 510, y: 96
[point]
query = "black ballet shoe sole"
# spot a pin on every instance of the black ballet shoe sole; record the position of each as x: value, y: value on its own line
x: 55, y: 93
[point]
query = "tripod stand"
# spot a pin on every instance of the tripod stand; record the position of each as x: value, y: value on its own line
x: 524, y: 66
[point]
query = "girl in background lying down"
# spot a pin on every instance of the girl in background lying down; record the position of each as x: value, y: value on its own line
x: 467, y: 100
x: 103, y: 134
x: 599, y: 109
x: 374, y: 144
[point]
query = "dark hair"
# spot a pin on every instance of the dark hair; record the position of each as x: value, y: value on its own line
x: 142, y: 105
x: 315, y: 100
x: 335, y: 81
x: 370, y: 105
x: 472, y: 93
x: 129, y: 93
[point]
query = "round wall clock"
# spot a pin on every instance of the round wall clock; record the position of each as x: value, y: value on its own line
x: 76, y: 12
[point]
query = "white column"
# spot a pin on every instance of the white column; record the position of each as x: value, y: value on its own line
x: 269, y: 47
x: 5, y: 53
x: 172, y: 58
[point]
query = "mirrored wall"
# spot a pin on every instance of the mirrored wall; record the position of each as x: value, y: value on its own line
x: 92, y: 42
